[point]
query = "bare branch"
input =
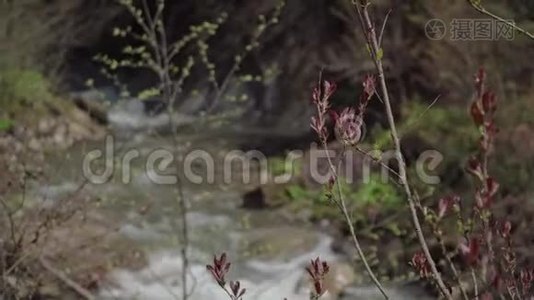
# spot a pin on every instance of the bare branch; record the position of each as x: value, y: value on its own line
x: 374, y: 47
x: 81, y: 291
x: 476, y: 5
x: 383, y: 28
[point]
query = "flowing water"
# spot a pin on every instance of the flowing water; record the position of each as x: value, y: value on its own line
x: 268, y: 250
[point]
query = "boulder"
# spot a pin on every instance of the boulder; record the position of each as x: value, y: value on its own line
x: 94, y: 108
x: 254, y: 199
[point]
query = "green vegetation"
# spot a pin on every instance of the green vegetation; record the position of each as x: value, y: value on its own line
x: 23, y: 91
x: 5, y: 124
x: 433, y: 124
x: 513, y: 161
x: 278, y: 166
x: 372, y: 194
x: 376, y: 192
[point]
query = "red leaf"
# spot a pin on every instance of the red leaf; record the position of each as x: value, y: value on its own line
x: 369, y: 86
x: 480, y: 78
x: 489, y: 102
x: 476, y: 113
x: 316, y: 95
x: 506, y: 228
x: 445, y: 204
x: 420, y: 264
x: 475, y: 168
x: 492, y: 186
x: 334, y: 115
x: 470, y: 251
x: 329, y: 89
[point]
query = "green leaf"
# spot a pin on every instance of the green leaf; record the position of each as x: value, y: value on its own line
x: 394, y: 228
x: 380, y: 54
x: 5, y: 124
x: 148, y: 93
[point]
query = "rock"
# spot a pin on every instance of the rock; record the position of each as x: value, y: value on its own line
x: 59, y: 138
x: 5, y: 143
x: 255, y: 199
x: 81, y: 126
x: 50, y: 290
x: 78, y: 132
x: 94, y: 108
x: 45, y: 126
x: 34, y: 145
x: 89, y: 247
x: 341, y: 276
x: 20, y: 132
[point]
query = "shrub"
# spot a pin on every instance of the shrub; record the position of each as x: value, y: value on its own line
x: 20, y: 89
x: 5, y: 124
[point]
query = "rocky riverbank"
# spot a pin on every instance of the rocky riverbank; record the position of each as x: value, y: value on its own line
x: 33, y: 224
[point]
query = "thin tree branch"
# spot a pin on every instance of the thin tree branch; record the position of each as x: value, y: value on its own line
x: 380, y: 162
x: 221, y: 88
x: 445, y: 253
x: 383, y: 28
x: 81, y: 291
x: 356, y: 243
x: 372, y: 42
x: 482, y: 10
x: 475, y: 284
x: 170, y: 92
x: 340, y: 202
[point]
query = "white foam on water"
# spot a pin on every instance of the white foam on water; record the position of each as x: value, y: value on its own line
x: 162, y: 278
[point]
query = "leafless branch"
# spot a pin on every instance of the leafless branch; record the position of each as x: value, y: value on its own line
x: 361, y: 7
x: 476, y: 5
x: 340, y: 203
x: 81, y: 291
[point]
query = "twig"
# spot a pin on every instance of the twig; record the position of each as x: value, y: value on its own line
x: 17, y: 263
x: 157, y: 39
x: 484, y: 11
x: 380, y: 162
x: 185, y: 238
x: 221, y: 89
x: 356, y: 243
x: 414, y: 122
x: 321, y: 99
x: 445, y: 253
x: 372, y: 42
x: 11, y: 222
x: 343, y: 208
x: 67, y: 281
x: 383, y: 28
x: 475, y: 284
